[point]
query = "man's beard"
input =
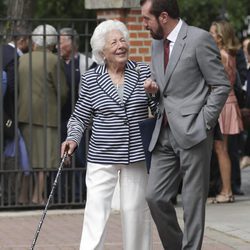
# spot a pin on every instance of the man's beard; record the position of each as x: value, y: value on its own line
x: 158, y: 34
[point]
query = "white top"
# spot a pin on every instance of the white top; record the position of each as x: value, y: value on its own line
x: 173, y: 35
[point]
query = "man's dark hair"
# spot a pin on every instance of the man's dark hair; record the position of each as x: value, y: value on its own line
x: 20, y: 33
x: 159, y: 6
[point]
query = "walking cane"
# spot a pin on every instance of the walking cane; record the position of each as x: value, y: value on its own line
x: 48, y: 201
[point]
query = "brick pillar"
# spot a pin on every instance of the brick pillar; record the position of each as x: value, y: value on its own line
x: 140, y: 39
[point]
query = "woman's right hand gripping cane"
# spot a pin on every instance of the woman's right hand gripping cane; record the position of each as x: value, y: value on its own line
x: 68, y: 147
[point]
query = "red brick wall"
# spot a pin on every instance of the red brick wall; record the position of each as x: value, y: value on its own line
x: 140, y: 40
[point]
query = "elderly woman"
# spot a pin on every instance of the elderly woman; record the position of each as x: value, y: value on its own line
x: 41, y: 83
x: 112, y: 94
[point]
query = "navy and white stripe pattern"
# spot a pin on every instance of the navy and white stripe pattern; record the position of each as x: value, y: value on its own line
x: 115, y: 135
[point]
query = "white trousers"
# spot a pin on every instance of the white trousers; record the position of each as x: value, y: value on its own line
x: 135, y: 216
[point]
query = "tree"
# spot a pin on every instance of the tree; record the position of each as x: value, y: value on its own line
x: 68, y: 11
x: 18, y: 13
x: 196, y: 12
x: 62, y: 9
x: 202, y: 13
x: 20, y: 9
x: 2, y: 9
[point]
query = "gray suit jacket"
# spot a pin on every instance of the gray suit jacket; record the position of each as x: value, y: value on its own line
x: 194, y: 87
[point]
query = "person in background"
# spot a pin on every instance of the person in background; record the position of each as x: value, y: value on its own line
x: 248, y: 81
x: 239, y: 86
x: 38, y: 117
x: 230, y: 117
x: 18, y: 46
x: 245, y: 43
x: 11, y: 52
x: 245, y: 161
x: 75, y: 64
x: 3, y: 90
x: 236, y: 142
x: 192, y: 86
x: 4, y: 82
x: 113, y: 94
x: 248, y: 76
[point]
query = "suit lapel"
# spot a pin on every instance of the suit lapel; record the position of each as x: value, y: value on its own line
x: 104, y: 81
x: 176, y: 53
x: 131, y: 76
x: 159, y: 58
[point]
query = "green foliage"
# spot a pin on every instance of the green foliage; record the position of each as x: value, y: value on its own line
x: 196, y: 12
x: 68, y: 11
x: 202, y: 13
x: 3, y: 9
x: 62, y: 9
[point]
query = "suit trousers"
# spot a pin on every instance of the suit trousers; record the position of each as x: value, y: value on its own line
x: 170, y: 164
x: 135, y: 215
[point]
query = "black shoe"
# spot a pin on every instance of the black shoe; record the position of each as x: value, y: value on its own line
x: 237, y: 191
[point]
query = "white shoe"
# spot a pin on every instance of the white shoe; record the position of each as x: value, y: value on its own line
x: 245, y: 162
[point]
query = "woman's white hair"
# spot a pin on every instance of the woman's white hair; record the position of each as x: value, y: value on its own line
x: 44, y: 35
x: 98, y: 38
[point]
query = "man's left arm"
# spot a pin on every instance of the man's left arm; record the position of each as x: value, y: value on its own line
x: 209, y: 60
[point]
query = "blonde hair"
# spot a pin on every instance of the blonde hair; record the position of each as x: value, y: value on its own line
x: 226, y: 32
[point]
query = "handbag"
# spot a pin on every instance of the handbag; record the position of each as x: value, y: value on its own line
x: 8, y: 127
x: 146, y: 129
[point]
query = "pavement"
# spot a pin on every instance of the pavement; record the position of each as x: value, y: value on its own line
x: 227, y: 227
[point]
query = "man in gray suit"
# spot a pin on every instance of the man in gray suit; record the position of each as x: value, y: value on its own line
x: 192, y: 90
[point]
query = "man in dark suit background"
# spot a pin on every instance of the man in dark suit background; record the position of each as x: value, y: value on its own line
x: 11, y: 52
x: 192, y: 90
x: 10, y: 56
x: 235, y: 141
x: 75, y: 65
x: 15, y: 48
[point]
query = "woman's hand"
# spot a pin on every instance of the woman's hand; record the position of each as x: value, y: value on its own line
x: 150, y: 86
x: 68, y: 147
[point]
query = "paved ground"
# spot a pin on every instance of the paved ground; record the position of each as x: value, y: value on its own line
x: 227, y: 227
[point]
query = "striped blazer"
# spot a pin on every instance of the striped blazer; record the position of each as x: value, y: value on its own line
x: 115, y: 135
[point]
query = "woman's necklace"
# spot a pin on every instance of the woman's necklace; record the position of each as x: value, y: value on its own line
x: 118, y: 85
x: 117, y: 80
